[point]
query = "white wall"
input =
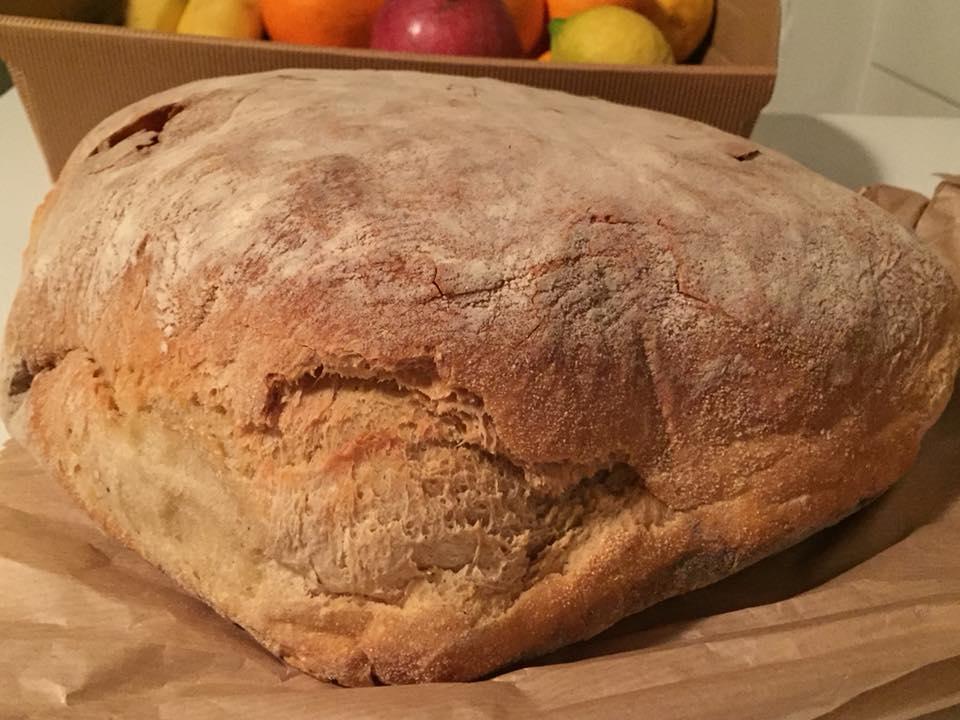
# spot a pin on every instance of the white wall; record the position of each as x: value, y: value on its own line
x: 893, y: 57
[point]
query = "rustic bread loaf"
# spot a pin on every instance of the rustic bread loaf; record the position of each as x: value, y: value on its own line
x: 415, y: 376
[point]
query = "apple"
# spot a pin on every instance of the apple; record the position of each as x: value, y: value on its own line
x: 446, y: 27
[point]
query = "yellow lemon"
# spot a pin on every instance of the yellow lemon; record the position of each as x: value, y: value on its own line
x: 609, y: 34
x: 683, y: 22
x: 223, y: 18
x: 155, y: 14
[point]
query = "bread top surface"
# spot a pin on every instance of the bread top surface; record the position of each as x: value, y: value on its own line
x: 590, y: 284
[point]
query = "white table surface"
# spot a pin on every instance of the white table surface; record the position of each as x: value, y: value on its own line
x: 854, y: 150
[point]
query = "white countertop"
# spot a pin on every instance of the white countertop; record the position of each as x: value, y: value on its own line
x: 851, y: 149
x: 23, y: 182
x: 857, y: 150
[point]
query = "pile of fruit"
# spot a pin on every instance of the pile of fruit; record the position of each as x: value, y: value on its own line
x: 638, y: 32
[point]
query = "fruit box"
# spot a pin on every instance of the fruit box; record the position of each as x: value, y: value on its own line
x: 71, y: 75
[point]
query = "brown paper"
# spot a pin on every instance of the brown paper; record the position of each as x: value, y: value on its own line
x: 940, y: 224
x: 860, y: 621
x: 905, y: 205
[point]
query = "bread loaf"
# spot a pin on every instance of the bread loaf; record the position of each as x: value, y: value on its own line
x: 416, y: 376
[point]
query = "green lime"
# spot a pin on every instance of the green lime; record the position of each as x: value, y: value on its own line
x: 609, y: 34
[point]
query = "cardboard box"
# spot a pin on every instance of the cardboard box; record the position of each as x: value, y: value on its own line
x: 71, y: 75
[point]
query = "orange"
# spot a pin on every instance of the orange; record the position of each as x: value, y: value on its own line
x: 344, y: 23
x: 566, y: 8
x: 530, y: 17
x: 683, y: 22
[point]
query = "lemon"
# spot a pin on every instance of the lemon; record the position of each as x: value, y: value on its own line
x: 609, y: 34
x: 155, y: 14
x: 223, y: 18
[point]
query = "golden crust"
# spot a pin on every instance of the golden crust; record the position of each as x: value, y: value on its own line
x: 414, y: 377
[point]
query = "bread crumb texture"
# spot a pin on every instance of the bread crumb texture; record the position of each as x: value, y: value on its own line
x: 414, y: 377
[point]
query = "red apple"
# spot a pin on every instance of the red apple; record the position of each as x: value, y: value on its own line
x: 446, y: 27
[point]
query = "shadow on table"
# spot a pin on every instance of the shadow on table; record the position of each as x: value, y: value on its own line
x: 820, y: 146
x: 919, y: 498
